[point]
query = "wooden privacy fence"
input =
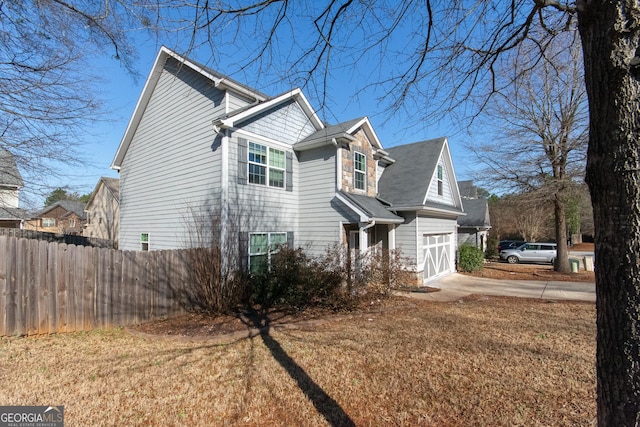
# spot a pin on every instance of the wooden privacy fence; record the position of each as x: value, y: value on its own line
x: 60, y: 238
x: 51, y: 287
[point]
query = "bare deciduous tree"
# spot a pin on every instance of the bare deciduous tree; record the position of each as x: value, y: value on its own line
x: 432, y: 57
x: 536, y: 138
x: 455, y: 46
x: 47, y: 91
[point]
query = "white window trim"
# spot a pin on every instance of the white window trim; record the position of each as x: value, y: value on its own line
x: 148, y: 242
x: 266, y: 165
x: 270, y: 249
x: 49, y: 220
x: 440, y: 181
x: 357, y: 171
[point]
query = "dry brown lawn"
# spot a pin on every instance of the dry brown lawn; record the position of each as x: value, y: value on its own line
x: 476, y: 361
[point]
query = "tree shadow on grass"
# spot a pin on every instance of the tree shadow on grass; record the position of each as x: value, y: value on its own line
x: 324, y: 404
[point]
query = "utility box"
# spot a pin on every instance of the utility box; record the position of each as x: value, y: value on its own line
x: 574, y: 264
x: 588, y: 263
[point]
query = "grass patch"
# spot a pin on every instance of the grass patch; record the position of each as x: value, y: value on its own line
x: 477, y: 361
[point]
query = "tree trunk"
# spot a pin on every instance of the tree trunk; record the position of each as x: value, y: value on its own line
x: 562, y: 257
x: 609, y: 32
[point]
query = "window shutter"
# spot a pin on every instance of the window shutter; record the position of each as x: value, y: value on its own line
x: 290, y: 239
x: 243, y: 250
x: 242, y: 161
x: 289, y: 171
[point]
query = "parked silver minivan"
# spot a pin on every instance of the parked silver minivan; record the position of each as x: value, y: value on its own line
x: 530, y: 252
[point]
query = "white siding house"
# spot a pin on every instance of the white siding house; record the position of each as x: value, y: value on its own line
x: 269, y: 171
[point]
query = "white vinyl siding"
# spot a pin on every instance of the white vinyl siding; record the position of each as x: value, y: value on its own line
x: 236, y: 101
x: 286, y: 123
x: 173, y: 164
x: 261, y: 207
x: 320, y: 215
x: 9, y: 198
x: 406, y: 235
x: 440, y: 190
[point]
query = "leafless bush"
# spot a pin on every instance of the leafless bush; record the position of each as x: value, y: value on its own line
x: 367, y: 273
x: 216, y: 283
x: 338, y: 279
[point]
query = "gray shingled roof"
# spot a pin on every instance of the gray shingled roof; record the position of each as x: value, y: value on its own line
x: 13, y: 213
x: 332, y: 131
x: 68, y: 205
x: 9, y: 173
x: 225, y: 77
x: 372, y: 207
x: 477, y: 211
x: 405, y: 183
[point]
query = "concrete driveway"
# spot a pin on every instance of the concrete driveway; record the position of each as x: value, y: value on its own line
x: 456, y: 286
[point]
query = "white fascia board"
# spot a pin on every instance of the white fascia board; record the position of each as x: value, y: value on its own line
x: 95, y: 192
x: 152, y: 80
x: 306, y: 106
x: 426, y: 209
x: 445, y: 155
x: 296, y: 94
x: 322, y: 141
x: 368, y: 129
x: 226, y: 83
x: 143, y: 100
x: 363, y: 216
x: 456, y: 190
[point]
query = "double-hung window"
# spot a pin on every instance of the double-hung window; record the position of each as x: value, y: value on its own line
x: 144, y: 241
x: 48, y: 222
x: 440, y: 181
x: 261, y: 247
x: 266, y: 165
x: 359, y: 171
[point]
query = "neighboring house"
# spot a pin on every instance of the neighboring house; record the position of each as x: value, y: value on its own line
x: 63, y: 217
x: 202, y: 148
x: 102, y: 211
x: 474, y: 227
x: 11, y: 216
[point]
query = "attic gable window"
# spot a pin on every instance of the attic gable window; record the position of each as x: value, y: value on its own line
x: 440, y: 181
x: 359, y: 171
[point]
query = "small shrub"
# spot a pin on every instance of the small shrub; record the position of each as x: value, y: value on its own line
x: 294, y: 280
x: 470, y: 258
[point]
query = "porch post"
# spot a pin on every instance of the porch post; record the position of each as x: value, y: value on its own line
x: 364, y: 244
x: 392, y: 236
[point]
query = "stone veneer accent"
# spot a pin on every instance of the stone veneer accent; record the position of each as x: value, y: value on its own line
x: 362, y: 145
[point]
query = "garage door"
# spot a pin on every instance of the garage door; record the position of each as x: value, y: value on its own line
x: 438, y: 253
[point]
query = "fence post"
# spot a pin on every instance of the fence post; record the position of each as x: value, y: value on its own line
x: 4, y: 254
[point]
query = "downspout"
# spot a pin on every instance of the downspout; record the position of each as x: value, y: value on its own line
x: 334, y: 142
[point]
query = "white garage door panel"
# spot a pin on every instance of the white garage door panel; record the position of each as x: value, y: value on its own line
x: 437, y: 255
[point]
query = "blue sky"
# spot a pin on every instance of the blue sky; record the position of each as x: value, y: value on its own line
x: 119, y: 91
